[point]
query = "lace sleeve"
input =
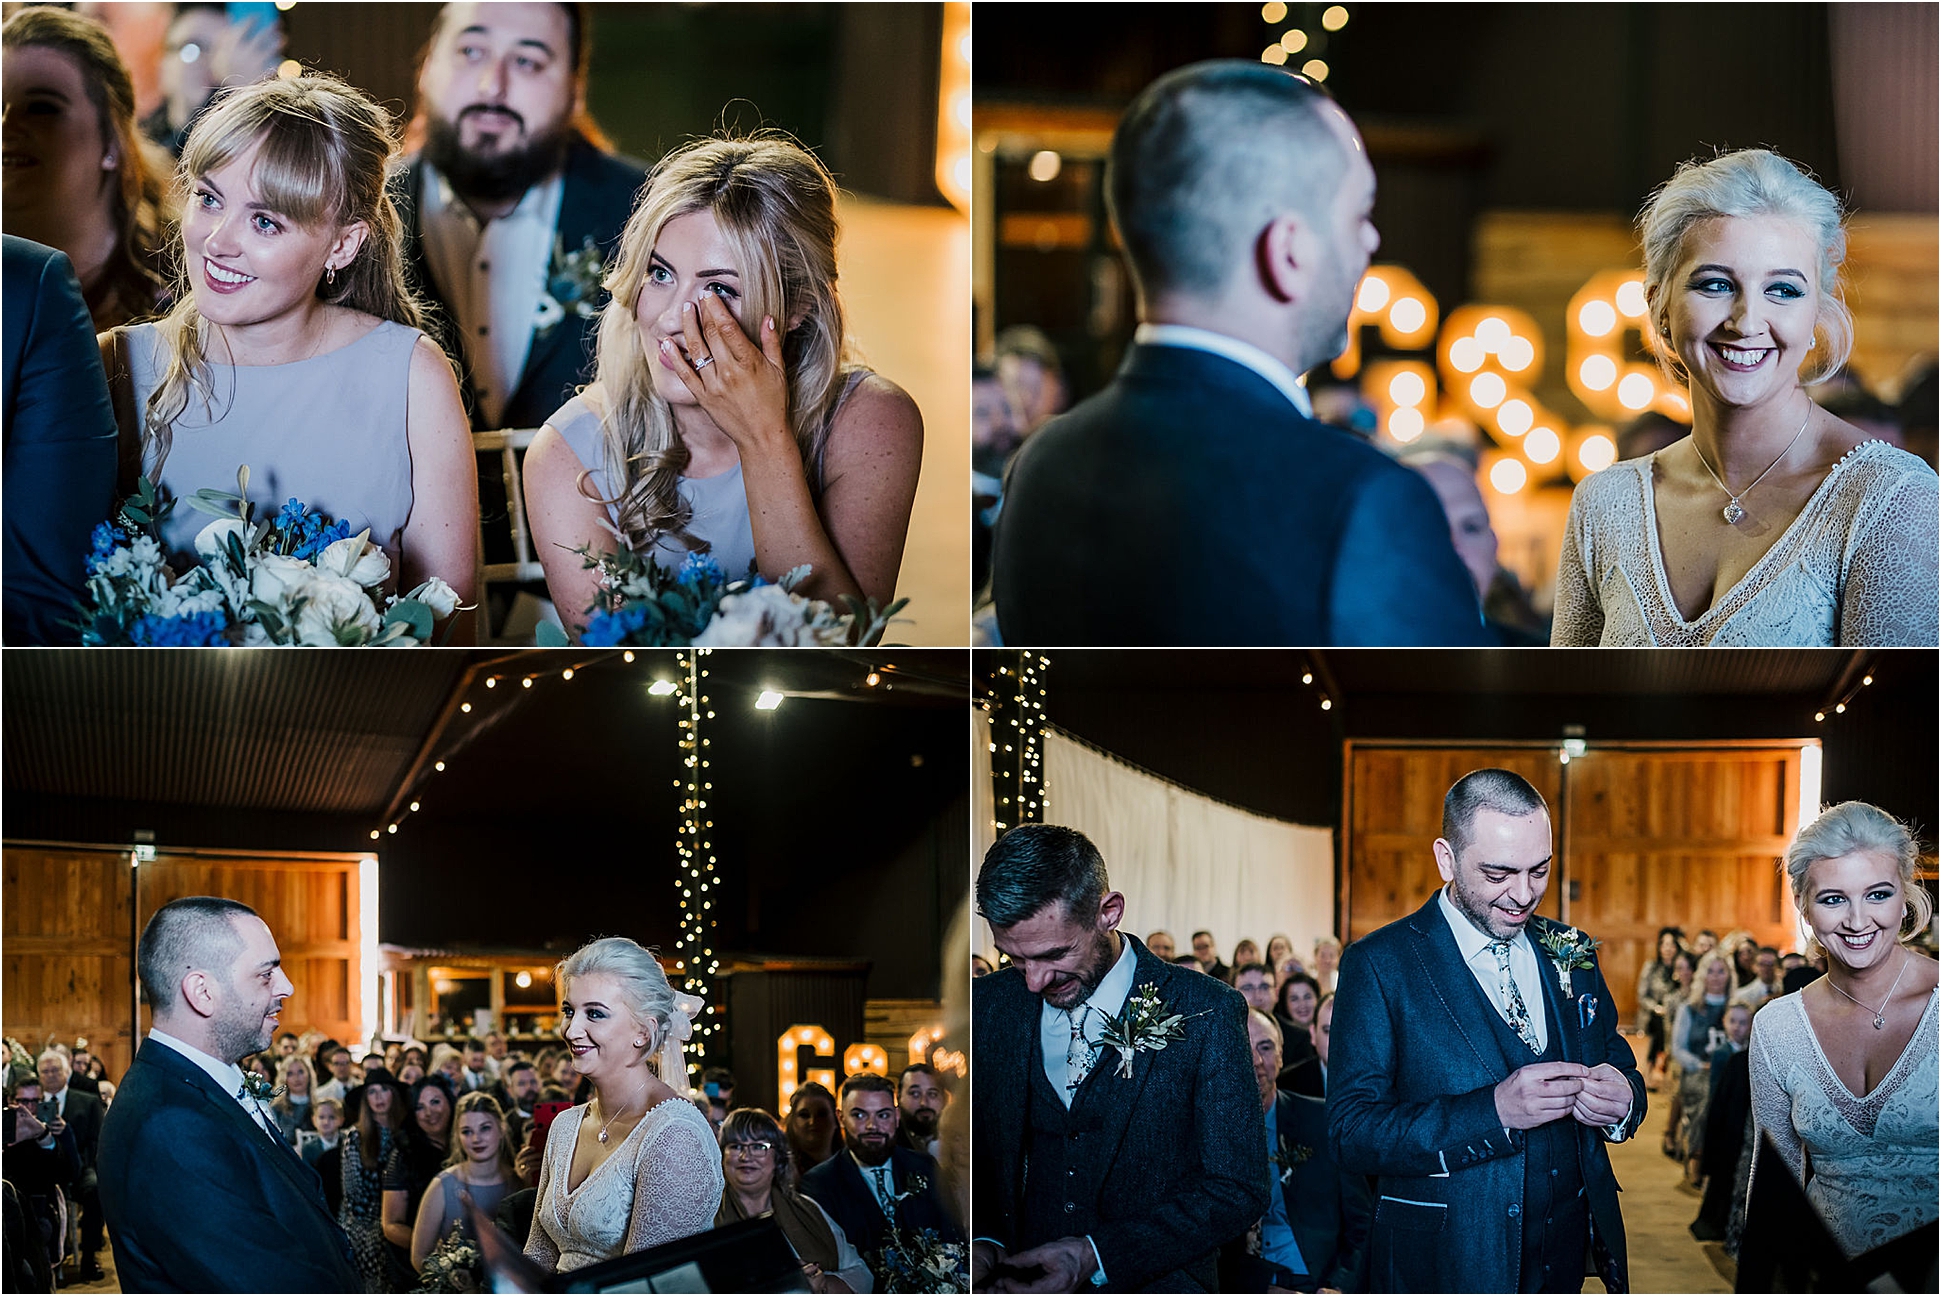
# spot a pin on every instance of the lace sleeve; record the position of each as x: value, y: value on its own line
x: 539, y: 1243
x: 1578, y: 618
x: 1772, y: 1106
x: 677, y: 1183
x: 1890, y: 589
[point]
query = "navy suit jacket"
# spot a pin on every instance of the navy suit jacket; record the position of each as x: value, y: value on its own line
x: 1189, y: 503
x: 59, y: 471
x: 1411, y: 1100
x: 596, y: 197
x: 1328, y: 1208
x: 1180, y: 1149
x: 199, y: 1198
x: 837, y: 1186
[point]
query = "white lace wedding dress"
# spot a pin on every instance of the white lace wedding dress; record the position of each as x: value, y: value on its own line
x: 663, y: 1182
x: 1871, y: 1165
x: 1855, y: 569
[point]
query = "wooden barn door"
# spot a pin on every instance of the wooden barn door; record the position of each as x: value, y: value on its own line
x: 1395, y: 813
x: 1685, y: 837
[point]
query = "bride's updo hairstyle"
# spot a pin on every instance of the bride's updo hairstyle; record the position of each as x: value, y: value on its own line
x: 644, y: 991
x: 1750, y: 182
x: 1854, y: 827
x: 776, y: 206
x: 327, y: 151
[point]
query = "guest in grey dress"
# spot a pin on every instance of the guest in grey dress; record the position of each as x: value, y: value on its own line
x: 1775, y: 524
x: 723, y: 416
x: 294, y: 346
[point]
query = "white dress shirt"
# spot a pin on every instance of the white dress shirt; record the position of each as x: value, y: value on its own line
x: 1055, y: 1024
x: 1285, y: 380
x: 227, y: 1075
x: 491, y: 275
x: 1474, y: 945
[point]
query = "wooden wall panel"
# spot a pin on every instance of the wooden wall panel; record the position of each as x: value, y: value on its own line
x: 1679, y: 838
x: 1395, y: 814
x: 66, y: 934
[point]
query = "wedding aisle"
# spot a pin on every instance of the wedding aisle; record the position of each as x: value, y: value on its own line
x: 1658, y: 1209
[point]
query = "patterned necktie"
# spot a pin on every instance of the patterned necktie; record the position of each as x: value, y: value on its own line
x: 1078, y: 1054
x: 263, y: 1119
x: 883, y: 1195
x: 1513, y: 1007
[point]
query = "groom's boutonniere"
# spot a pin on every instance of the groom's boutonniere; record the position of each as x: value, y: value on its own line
x: 1568, y: 948
x: 261, y: 1088
x: 1144, y: 1024
x: 572, y: 285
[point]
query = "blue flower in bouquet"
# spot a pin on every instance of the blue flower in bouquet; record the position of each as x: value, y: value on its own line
x: 106, y: 539
x: 699, y: 571
x: 291, y: 516
x: 196, y: 630
x: 606, y: 629
x: 320, y: 538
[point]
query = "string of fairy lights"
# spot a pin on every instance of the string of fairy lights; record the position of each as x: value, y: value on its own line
x: 1845, y: 698
x: 1016, y: 706
x: 694, y: 847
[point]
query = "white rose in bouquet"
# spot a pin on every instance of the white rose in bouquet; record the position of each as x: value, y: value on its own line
x: 333, y: 604
x: 768, y: 616
x: 212, y: 542
x: 441, y: 598
x: 273, y: 578
x: 358, y: 559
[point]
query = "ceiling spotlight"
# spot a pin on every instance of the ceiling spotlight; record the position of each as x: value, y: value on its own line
x: 661, y: 688
x: 1866, y: 679
x: 523, y: 980
x: 768, y: 701
x: 465, y: 707
x: 526, y: 682
x: 1841, y: 709
x: 872, y: 679
x: 1326, y: 705
x: 439, y: 766
x: 627, y: 656
x: 1307, y: 677
x: 567, y: 673
x: 375, y: 834
x: 1819, y: 715
x: 492, y: 681
x: 414, y: 807
x: 393, y: 828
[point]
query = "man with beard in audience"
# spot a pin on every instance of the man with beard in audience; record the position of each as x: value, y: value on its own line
x: 517, y: 1091
x: 920, y: 1100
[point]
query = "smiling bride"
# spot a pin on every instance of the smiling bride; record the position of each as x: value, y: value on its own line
x: 637, y: 1165
x: 1775, y: 523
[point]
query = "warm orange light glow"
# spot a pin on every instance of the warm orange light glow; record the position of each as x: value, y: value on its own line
x: 858, y: 1058
x: 787, y: 1048
x: 953, y: 170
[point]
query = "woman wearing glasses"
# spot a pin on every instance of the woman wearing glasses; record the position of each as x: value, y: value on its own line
x: 755, y: 1164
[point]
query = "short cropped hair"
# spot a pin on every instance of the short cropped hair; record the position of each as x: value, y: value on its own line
x: 1749, y: 182
x: 1034, y: 865
x: 1485, y: 789
x: 923, y: 1068
x: 1271, y: 1026
x: 868, y: 1082
x: 1204, y: 158
x: 184, y: 935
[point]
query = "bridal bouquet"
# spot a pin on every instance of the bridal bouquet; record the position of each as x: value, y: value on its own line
x: 919, y: 1260
x: 298, y: 578
x: 643, y: 606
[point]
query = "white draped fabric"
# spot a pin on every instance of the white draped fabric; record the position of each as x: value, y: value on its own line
x: 983, y: 816
x: 1183, y: 860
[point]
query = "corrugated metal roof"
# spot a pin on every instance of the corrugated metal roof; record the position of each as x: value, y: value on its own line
x: 328, y: 732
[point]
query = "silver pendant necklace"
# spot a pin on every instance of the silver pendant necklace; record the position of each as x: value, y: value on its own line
x: 602, y: 1136
x: 1880, y: 1019
x: 1734, y: 511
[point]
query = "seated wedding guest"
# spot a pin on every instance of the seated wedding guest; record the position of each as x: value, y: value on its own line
x: 1765, y: 978
x: 873, y: 1186
x: 920, y: 1102
x: 477, y: 1172
x: 1506, y: 608
x: 1207, y: 951
x: 1244, y: 952
x: 1187, y: 960
x: 1032, y: 376
x: 363, y: 1153
x: 411, y: 1072
x: 1316, y: 1226
x: 725, y: 415
x: 1310, y: 1075
x: 77, y: 178
x: 86, y: 1071
x: 1775, y: 523
x: 287, y: 1044
x: 1280, y: 948
x: 718, y: 1088
x: 84, y: 1113
x: 206, y: 51
x: 42, y: 1162
x: 1327, y: 960
x: 812, y: 1128
x: 58, y: 478
x: 1655, y: 989
x: 760, y: 1181
x: 1294, y: 1008
x: 1161, y: 945
x: 1242, y: 197
x: 1255, y: 984
x: 327, y: 1121
x: 1704, y: 943
x: 497, y: 1051
x: 474, y: 1073
x: 293, y: 347
x: 1728, y: 1113
x: 1870, y: 1169
x: 1698, y: 1017
x: 516, y: 1092
x: 448, y: 1062
x: 293, y: 1108
x: 337, y: 1061
x: 417, y: 1158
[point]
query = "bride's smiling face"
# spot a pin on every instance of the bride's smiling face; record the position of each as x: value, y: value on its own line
x: 598, y: 1026
x: 1854, y: 905
x: 1743, y: 305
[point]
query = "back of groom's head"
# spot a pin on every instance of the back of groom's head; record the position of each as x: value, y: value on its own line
x: 1035, y: 864
x: 1204, y: 158
x: 195, y: 932
x: 1500, y: 790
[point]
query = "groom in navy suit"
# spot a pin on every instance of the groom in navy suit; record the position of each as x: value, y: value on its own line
x: 200, y: 1190
x: 1096, y: 1166
x: 1478, y: 1072
x: 1196, y: 500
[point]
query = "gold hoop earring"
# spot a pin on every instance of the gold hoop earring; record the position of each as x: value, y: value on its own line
x: 330, y: 276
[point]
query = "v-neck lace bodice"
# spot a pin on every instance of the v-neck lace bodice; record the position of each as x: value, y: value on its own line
x: 1856, y: 568
x: 1871, y: 1164
x: 663, y: 1182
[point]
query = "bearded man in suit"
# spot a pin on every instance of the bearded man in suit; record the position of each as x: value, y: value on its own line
x: 201, y: 1192
x: 1120, y: 1140
x: 1478, y: 1072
